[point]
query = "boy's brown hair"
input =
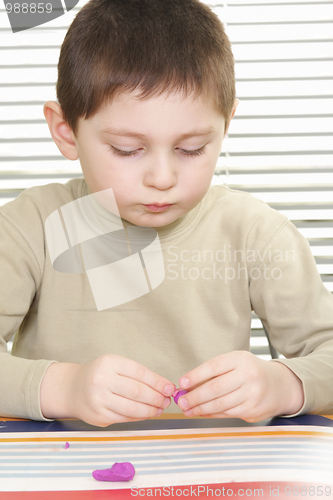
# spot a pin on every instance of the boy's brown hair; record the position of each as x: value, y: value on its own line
x: 152, y: 46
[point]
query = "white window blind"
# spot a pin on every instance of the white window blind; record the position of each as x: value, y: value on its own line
x: 280, y: 142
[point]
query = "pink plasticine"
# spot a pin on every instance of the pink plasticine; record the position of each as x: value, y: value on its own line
x: 176, y: 395
x: 66, y: 446
x: 120, y: 471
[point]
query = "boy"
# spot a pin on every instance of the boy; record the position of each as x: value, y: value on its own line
x: 146, y: 93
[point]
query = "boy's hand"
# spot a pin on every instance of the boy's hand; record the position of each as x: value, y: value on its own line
x: 241, y: 385
x: 104, y: 391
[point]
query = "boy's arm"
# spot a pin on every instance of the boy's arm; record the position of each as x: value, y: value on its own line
x: 287, y: 293
x: 297, y: 311
x: 20, y: 277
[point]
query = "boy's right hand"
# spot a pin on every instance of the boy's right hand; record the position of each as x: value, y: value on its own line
x: 104, y: 391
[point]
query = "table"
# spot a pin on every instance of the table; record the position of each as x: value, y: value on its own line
x: 174, y: 456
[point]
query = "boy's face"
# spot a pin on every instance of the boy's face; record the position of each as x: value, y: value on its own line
x: 144, y: 158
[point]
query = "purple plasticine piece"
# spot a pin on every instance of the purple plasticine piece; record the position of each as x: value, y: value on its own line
x: 66, y: 445
x: 120, y: 471
x: 178, y: 392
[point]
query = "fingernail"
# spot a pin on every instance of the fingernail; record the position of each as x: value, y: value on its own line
x: 183, y: 403
x: 184, y: 382
x: 168, y: 389
x: 166, y: 402
x: 159, y: 412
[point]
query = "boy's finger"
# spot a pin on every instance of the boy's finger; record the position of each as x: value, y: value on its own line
x: 211, y: 392
x: 137, y: 391
x: 215, y: 400
x: 132, y: 369
x: 212, y: 368
x: 131, y: 409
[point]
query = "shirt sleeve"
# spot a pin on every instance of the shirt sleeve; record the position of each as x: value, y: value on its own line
x: 20, y: 280
x: 288, y: 295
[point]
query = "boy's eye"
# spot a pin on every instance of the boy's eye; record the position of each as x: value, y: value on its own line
x: 186, y: 152
x: 193, y: 152
x: 120, y: 152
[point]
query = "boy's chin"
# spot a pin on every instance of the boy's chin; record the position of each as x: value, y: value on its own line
x: 152, y: 220
x: 152, y: 223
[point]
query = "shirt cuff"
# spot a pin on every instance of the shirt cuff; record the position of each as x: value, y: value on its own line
x: 33, y: 391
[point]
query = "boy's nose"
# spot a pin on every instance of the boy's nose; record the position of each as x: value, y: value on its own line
x: 161, y: 174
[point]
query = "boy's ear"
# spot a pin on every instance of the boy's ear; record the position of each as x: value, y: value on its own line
x: 60, y: 131
x: 231, y: 116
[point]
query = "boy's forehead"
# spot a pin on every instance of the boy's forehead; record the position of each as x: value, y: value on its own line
x: 175, y: 97
x: 126, y: 103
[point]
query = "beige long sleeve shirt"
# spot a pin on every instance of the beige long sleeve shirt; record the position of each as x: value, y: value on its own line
x: 230, y: 254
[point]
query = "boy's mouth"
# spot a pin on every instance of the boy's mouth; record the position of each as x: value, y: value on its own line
x: 157, y: 208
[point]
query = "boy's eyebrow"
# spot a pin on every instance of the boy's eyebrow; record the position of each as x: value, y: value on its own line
x: 129, y: 133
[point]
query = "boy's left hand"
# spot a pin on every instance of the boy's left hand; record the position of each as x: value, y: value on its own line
x: 241, y: 385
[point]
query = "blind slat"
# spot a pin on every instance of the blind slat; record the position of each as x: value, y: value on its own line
x: 274, y: 13
x: 280, y: 33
